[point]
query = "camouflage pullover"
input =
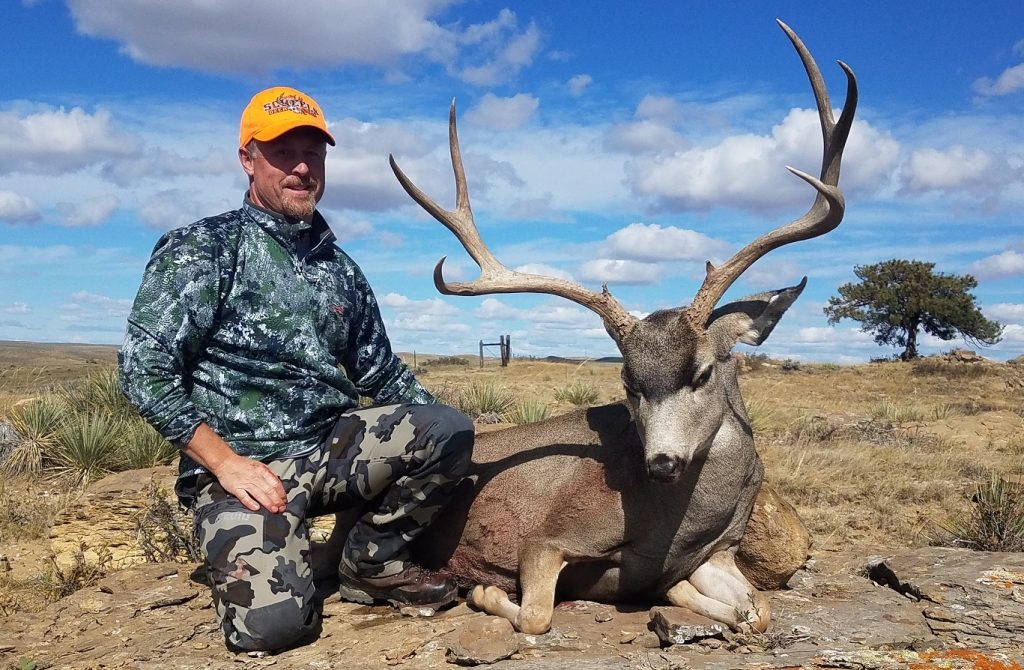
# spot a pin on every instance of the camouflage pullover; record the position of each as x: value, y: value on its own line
x: 261, y: 327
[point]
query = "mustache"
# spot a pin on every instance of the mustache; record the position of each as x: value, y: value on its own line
x: 302, y: 183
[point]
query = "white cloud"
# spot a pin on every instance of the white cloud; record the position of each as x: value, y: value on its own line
x: 173, y: 208
x: 91, y: 212
x: 1013, y: 333
x: 617, y: 271
x: 17, y: 308
x: 1010, y: 81
x: 747, y: 170
x: 55, y: 140
x: 86, y: 306
x: 162, y: 164
x: 1005, y: 312
x: 428, y: 323
x: 658, y: 108
x: 1009, y: 263
x: 578, y: 84
x: 556, y: 314
x: 645, y: 136
x: 951, y: 169
x: 544, y: 270
x: 501, y: 49
x: 503, y: 113
x: 429, y: 307
x: 228, y: 36
x: 15, y: 208
x: 651, y: 242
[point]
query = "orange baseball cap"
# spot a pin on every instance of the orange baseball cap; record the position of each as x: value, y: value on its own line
x: 274, y: 111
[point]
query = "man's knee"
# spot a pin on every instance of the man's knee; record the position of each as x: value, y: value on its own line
x: 271, y: 627
x: 452, y: 432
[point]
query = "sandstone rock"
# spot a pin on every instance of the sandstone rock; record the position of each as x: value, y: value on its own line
x: 104, y: 519
x: 776, y: 542
x: 483, y: 640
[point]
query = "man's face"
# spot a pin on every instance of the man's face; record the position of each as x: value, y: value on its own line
x: 286, y: 174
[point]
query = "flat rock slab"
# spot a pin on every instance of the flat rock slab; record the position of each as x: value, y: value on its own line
x: 927, y: 608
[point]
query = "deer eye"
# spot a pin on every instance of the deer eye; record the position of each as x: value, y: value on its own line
x: 703, y: 377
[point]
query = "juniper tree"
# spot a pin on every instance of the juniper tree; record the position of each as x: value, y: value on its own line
x: 896, y: 298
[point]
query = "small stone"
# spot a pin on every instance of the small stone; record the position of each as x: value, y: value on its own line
x: 418, y: 611
x: 603, y: 615
x: 200, y: 645
x: 675, y: 625
x: 482, y: 640
x: 627, y: 636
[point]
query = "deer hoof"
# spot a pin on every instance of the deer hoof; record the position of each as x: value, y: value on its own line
x: 533, y: 620
x: 488, y: 598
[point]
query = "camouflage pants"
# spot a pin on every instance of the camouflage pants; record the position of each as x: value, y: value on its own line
x: 404, y: 460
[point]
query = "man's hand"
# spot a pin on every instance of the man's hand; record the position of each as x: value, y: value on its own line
x: 252, y: 482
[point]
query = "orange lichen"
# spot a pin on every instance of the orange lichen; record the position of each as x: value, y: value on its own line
x: 976, y: 660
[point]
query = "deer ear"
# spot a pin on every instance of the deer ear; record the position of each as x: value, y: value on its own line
x: 750, y: 320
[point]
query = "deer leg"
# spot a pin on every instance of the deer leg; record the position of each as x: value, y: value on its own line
x: 539, y: 567
x: 719, y: 591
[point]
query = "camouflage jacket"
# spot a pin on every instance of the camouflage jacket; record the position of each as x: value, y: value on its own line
x: 240, y: 325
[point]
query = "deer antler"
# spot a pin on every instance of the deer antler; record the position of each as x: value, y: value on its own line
x: 825, y: 213
x: 494, y: 276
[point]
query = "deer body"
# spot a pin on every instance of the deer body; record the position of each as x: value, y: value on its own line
x: 645, y: 500
x: 579, y: 481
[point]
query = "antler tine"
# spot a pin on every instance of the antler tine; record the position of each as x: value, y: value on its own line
x: 494, y: 276
x: 825, y: 213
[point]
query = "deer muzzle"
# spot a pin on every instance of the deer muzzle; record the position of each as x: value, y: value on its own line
x: 665, y: 468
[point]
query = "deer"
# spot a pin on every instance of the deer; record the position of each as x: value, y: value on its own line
x: 640, y: 500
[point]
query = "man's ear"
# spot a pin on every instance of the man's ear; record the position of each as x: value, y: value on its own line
x: 246, y: 159
x: 751, y: 320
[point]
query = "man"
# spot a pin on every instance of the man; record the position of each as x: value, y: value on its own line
x: 248, y: 346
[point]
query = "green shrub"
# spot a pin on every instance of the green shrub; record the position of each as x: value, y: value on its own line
x: 528, y: 410
x: 578, y: 393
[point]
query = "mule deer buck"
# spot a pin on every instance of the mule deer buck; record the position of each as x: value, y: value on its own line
x: 641, y: 500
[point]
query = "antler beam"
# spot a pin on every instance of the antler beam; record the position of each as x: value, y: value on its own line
x: 494, y: 276
x: 829, y: 205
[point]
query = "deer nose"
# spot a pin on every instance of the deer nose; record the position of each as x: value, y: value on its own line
x: 665, y: 468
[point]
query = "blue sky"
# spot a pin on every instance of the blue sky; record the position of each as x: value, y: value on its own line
x: 615, y: 142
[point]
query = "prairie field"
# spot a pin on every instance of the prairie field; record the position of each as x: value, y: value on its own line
x: 880, y: 455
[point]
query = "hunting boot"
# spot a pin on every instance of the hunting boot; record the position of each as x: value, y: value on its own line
x: 413, y: 586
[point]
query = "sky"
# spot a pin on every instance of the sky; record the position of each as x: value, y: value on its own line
x: 605, y: 142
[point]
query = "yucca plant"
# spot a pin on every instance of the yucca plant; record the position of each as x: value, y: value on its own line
x: 143, y: 447
x: 36, y: 423
x: 995, y: 521
x: 578, y: 393
x: 761, y: 414
x: 887, y: 410
x: 87, y: 448
x: 528, y: 410
x: 99, y: 393
x: 484, y: 398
